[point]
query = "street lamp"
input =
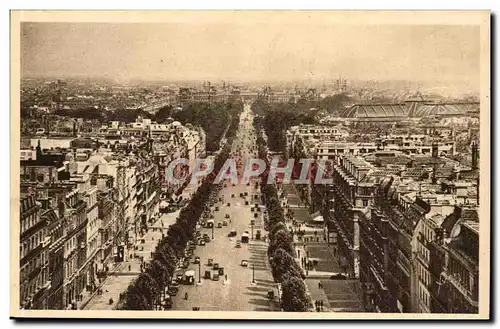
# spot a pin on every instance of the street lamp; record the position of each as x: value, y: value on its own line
x: 199, y: 271
x: 253, y: 273
x: 213, y: 230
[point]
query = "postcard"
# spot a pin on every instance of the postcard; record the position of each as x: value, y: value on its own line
x: 250, y: 164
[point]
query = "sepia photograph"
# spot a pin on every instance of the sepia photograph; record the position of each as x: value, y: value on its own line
x: 250, y: 164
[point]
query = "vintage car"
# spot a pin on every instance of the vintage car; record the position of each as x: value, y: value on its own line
x: 258, y: 235
x: 244, y: 263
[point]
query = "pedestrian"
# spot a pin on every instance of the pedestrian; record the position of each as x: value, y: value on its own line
x: 319, y: 285
x: 129, y: 267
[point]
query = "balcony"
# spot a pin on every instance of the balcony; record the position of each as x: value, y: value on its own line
x: 465, y: 292
x: 46, y: 241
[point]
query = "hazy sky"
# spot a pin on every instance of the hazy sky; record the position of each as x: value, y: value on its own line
x: 244, y: 51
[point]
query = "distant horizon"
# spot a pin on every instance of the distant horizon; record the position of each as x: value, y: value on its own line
x: 247, y: 52
x: 221, y: 79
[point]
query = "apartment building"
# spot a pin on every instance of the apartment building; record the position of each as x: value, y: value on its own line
x: 454, y: 264
x: 33, y: 254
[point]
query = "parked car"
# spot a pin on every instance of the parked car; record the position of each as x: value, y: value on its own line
x: 197, y: 260
x: 338, y: 276
x: 258, y: 235
x: 201, y: 242
x: 232, y: 233
x: 244, y: 263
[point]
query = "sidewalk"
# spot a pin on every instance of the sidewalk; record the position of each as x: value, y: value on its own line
x: 122, y: 274
x: 318, y: 294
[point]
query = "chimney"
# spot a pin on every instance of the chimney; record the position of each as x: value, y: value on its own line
x: 439, y: 235
x: 60, y: 208
x: 434, y: 149
x: 434, y: 180
x: 475, y: 155
x: 477, y: 193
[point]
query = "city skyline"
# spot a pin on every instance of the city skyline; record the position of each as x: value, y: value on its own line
x: 154, y: 51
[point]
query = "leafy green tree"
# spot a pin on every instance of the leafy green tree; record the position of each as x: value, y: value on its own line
x: 283, y: 264
x: 141, y: 294
x: 294, y: 296
x: 135, y: 299
x: 282, y: 239
x: 275, y: 228
x: 159, y: 272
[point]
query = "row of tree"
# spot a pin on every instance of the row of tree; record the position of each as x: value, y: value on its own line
x: 144, y: 292
x: 212, y: 117
x: 281, y: 251
x: 277, y: 118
